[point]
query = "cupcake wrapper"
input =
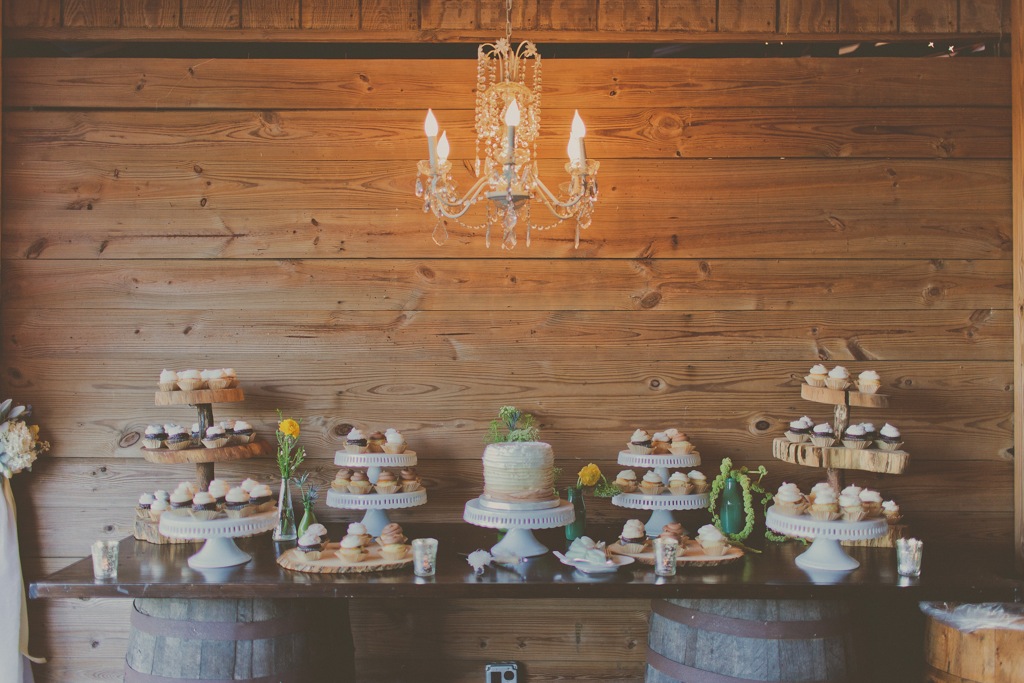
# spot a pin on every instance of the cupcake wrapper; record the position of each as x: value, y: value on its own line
x: 700, y: 488
x: 632, y: 548
x: 179, y: 445
x: 872, y: 510
x: 790, y: 509
x: 387, y: 488
x: 893, y: 519
x: 886, y: 446
x: 269, y: 506
x: 394, y: 555
x: 683, y: 490
x: 797, y: 438
x: 410, y: 486
x: 661, y: 448
x: 715, y: 549
x: 814, y: 381
x: 640, y: 450
x: 823, y: 441
x: 247, y: 511
x: 850, y: 515
x: 394, y: 448
x: 243, y: 438
x: 360, y: 489
x: 837, y: 384
x: 190, y: 384
x: 153, y: 443
x: 651, y: 490
x: 824, y: 515
x: 350, y: 555
x: 375, y: 447
x: 169, y: 386
x: 626, y: 488
x: 216, y: 443
x: 204, y: 515
x: 217, y: 384
x: 356, y: 449
x: 309, y: 554
x: 180, y: 512
x: 155, y: 515
x: 868, y: 387
x: 343, y: 487
x: 683, y: 448
x: 856, y: 444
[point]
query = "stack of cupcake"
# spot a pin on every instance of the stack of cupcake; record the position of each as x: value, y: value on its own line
x: 679, y: 483
x: 194, y: 380
x: 838, y: 378
x: 670, y: 441
x: 823, y: 503
x: 175, y: 437
x: 389, y: 441
x: 356, y: 481
x: 219, y: 500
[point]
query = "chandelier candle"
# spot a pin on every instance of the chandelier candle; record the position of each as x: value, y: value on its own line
x: 430, y: 128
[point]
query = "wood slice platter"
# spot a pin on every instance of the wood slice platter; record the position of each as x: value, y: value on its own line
x: 693, y: 555
x: 149, y: 531
x: 331, y: 564
x: 192, y: 398
x: 165, y: 456
x: 850, y: 397
x: 838, y: 457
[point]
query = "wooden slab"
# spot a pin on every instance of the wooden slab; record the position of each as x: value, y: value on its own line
x: 165, y: 456
x: 868, y: 459
x: 850, y: 397
x: 693, y: 557
x: 292, y: 559
x: 191, y: 398
x: 149, y: 531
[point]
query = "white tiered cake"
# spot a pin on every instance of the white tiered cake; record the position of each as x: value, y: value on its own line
x: 519, y: 475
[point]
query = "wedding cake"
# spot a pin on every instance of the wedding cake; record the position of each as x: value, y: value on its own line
x: 519, y: 473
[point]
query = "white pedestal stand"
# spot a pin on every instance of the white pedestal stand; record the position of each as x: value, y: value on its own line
x: 662, y: 505
x: 825, y: 552
x: 220, y: 549
x: 375, y: 504
x: 519, y: 541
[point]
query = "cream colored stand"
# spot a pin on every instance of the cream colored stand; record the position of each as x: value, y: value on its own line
x: 663, y: 504
x: 375, y: 505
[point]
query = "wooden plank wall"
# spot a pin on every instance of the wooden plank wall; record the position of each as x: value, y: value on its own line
x: 756, y: 216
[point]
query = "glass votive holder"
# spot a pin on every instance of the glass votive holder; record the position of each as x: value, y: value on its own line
x: 104, y: 560
x: 908, y: 556
x: 665, y: 552
x: 424, y: 556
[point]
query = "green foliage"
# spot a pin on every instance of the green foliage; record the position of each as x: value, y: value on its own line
x: 512, y: 425
x: 310, y: 494
x: 742, y: 475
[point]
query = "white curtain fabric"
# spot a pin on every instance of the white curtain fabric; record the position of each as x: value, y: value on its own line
x: 14, y: 661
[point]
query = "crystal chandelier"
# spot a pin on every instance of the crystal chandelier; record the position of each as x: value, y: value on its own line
x: 507, y: 127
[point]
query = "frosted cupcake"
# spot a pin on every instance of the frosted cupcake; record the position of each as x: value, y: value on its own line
x: 204, y: 506
x: 215, y: 437
x: 825, y: 507
x: 216, y: 379
x: 351, y: 550
x: 375, y: 442
x: 358, y: 483
x: 660, y: 443
x: 868, y: 382
x: 640, y: 443
x: 851, y: 507
x: 309, y: 546
x: 145, y: 504
x: 158, y: 508
x: 168, y: 380
x: 154, y: 436
x: 872, y: 503
x: 854, y: 437
x: 232, y: 376
x: 712, y: 540
x: 652, y: 484
x: 177, y: 437
x: 393, y: 552
x: 818, y: 488
x: 341, y: 480
x: 633, y: 538
x: 679, y: 484
x: 394, y: 442
x: 190, y: 380
x: 870, y: 433
x: 236, y: 503
x: 889, y: 438
x: 387, y: 483
x: 410, y: 479
x: 626, y: 481
x: 817, y: 375
x: 699, y: 481
x: 789, y: 500
x: 262, y: 498
x: 391, y: 534
x: 160, y: 494
x: 195, y: 433
x: 672, y: 530
x: 249, y: 484
x: 219, y: 488
x: 242, y: 432
x: 181, y: 502
x: 822, y: 435
x: 799, y: 431
x: 681, y: 444
x: 891, y: 512
x: 359, y: 529
x: 356, y: 442
x: 838, y: 378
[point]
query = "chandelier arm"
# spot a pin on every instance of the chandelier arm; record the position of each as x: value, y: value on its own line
x: 551, y: 200
x: 466, y: 200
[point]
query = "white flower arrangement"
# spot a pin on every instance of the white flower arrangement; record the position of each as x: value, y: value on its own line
x: 19, y: 442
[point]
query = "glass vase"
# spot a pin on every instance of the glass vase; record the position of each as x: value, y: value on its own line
x: 731, y: 514
x: 285, y: 529
x: 308, y: 519
x: 578, y: 527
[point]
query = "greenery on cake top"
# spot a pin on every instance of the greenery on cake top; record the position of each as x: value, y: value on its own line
x: 512, y: 425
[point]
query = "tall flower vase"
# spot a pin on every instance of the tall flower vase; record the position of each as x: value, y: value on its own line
x: 577, y: 527
x: 285, y: 529
x: 732, y: 514
x: 308, y: 519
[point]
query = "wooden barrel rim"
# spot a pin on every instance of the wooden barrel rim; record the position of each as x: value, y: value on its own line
x: 133, y: 676
x: 215, y: 630
x: 681, y: 672
x: 747, y: 628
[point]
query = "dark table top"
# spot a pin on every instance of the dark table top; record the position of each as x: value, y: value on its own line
x: 960, y: 574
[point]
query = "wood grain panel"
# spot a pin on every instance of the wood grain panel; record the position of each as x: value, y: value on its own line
x: 744, y: 16
x: 567, y: 15
x: 331, y: 14
x: 269, y: 13
x: 868, y: 16
x: 23, y: 13
x: 928, y: 16
x: 439, y: 336
x: 688, y: 15
x: 627, y: 15
x: 448, y: 14
x: 91, y: 13
x: 980, y: 16
x: 808, y: 16
x: 1017, y: 172
x: 210, y: 14
x: 150, y: 13
x: 568, y: 83
x: 389, y: 15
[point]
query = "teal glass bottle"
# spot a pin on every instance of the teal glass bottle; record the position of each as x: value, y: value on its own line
x: 578, y: 527
x: 731, y: 511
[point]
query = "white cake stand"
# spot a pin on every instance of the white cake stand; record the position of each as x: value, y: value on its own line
x: 376, y: 505
x: 659, y: 463
x: 220, y: 549
x: 825, y: 552
x: 663, y: 504
x: 519, y: 541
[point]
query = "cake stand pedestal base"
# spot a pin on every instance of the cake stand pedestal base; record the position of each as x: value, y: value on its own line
x: 657, y: 522
x: 375, y: 521
x: 826, y: 553
x: 219, y: 552
x: 519, y: 542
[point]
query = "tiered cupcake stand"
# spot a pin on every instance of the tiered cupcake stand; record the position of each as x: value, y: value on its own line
x: 375, y: 504
x: 663, y: 504
x: 825, y: 552
x: 203, y: 458
x: 520, y: 519
x: 220, y: 549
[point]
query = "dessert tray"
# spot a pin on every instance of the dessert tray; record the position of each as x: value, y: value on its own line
x: 330, y: 563
x: 519, y: 541
x: 375, y: 504
x: 825, y: 552
x: 664, y: 503
x: 692, y: 555
x: 612, y: 565
x: 220, y: 549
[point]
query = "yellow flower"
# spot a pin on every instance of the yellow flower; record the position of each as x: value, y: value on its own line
x: 289, y: 427
x: 590, y: 475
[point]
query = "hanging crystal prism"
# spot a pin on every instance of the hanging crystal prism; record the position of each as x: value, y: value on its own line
x: 419, y: 187
x: 440, y: 233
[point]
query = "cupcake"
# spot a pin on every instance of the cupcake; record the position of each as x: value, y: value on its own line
x: 190, y: 380
x: 180, y: 503
x: 237, y: 504
x: 410, y: 480
x: 699, y: 481
x: 681, y: 444
x: 359, y: 530
x: 672, y: 530
x: 262, y: 498
x: 204, y: 506
x: 215, y: 437
x: 393, y: 552
x: 868, y: 382
x: 168, y: 380
x: 243, y: 432
x: 891, y: 512
x: 154, y: 436
x: 712, y: 540
x: 394, y: 442
x: 232, y: 376
x: 825, y: 507
x: 195, y: 433
x: 799, y: 431
x: 633, y: 538
x: 358, y: 483
x: 387, y: 482
x: 872, y: 503
x: 889, y: 438
x: 640, y: 443
x: 822, y: 435
x: 660, y: 443
x: 219, y: 488
x: 854, y: 437
x: 177, y: 437
x: 375, y: 442
x: 679, y: 484
x: 852, y: 490
x: 317, y: 529
x: 187, y: 486
x: 626, y: 481
x: 851, y: 507
x: 249, y: 484
x: 838, y: 378
x: 341, y: 480
x: 309, y: 546
x: 160, y: 494
x: 652, y: 484
x: 146, y: 501
x: 818, y: 488
x: 789, y: 500
x: 158, y: 508
x: 356, y: 442
x: 392, y: 533
x: 216, y: 379
x: 817, y: 375
x: 229, y: 430
x: 351, y: 550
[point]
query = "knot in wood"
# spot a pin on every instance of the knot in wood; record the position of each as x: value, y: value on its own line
x: 341, y: 429
x: 129, y: 439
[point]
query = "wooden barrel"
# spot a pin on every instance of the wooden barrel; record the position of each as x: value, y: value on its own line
x: 989, y: 655
x: 737, y: 641
x: 253, y: 640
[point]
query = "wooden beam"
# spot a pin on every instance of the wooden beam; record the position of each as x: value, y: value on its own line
x: 1017, y: 91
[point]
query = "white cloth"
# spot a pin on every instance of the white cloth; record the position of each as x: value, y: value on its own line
x: 14, y: 661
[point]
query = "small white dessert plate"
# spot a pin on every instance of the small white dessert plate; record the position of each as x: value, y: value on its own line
x: 613, y: 563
